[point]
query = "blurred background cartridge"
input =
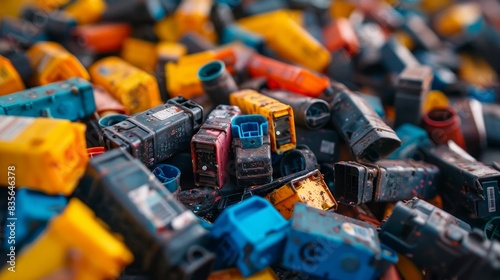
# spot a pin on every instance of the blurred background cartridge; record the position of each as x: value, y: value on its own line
x: 384, y: 181
x: 414, y: 83
x: 217, y: 83
x: 10, y: 81
x: 279, y: 116
x: 491, y: 114
x: 72, y: 99
x: 309, y: 189
x: 135, y: 11
x: 102, y: 254
x: 166, y: 239
x: 22, y: 32
x: 252, y: 150
x: 249, y: 235
x: 312, y: 113
x: 443, y: 124
x: 134, y: 88
x: 156, y: 134
x: 289, y: 77
x: 328, y: 245
x: 471, y: 116
x: 439, y: 242
x: 465, y: 182
x: 53, y: 63
x: 412, y: 139
x: 211, y: 145
x: 102, y: 37
x: 49, y: 155
x: 360, y: 126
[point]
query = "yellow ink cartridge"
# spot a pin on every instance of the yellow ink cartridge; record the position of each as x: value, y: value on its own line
x: 103, y: 255
x: 10, y: 81
x: 49, y: 155
x: 133, y: 87
x: 309, y: 189
x: 279, y: 116
x: 51, y: 63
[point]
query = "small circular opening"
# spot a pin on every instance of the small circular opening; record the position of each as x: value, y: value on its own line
x: 441, y: 115
x: 211, y: 70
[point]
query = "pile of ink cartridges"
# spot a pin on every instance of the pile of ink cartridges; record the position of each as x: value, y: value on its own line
x: 249, y: 139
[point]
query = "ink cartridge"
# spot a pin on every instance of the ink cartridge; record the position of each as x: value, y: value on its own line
x: 361, y: 128
x: 102, y: 37
x: 384, y: 181
x: 288, y: 77
x: 211, y: 145
x: 414, y: 84
x: 470, y: 112
x: 339, y: 35
x: 327, y: 245
x: 299, y: 159
x: 313, y: 113
x: 444, y: 124
x: 133, y: 51
x: 134, y: 11
x: 249, y: 235
x: 21, y: 32
x: 166, y: 239
x: 134, y: 88
x: 53, y: 63
x: 466, y: 182
x: 310, y: 189
x: 252, y: 150
x: 439, y: 242
x: 10, y: 81
x: 158, y: 133
x: 72, y: 99
x: 103, y: 255
x: 280, y: 32
x: 194, y: 15
x: 85, y: 11
x: 279, y: 116
x: 46, y: 155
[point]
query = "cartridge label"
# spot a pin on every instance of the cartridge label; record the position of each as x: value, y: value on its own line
x: 491, y: 199
x: 167, y: 113
x: 152, y: 205
x: 11, y: 127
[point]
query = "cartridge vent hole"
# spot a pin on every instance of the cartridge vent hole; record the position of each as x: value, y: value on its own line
x: 440, y: 115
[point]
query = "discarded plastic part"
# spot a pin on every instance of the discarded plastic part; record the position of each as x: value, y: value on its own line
x: 47, y: 155
x: 252, y: 150
x: 412, y: 139
x: 21, y: 63
x: 396, y: 57
x: 338, y: 247
x: 279, y: 116
x: 470, y: 112
x: 289, y: 77
x: 310, y: 189
x: 360, y: 126
x: 456, y: 18
x: 106, y: 104
x: 443, y: 124
x: 132, y: 87
x: 34, y: 210
x: 53, y: 63
x: 340, y: 34
x: 233, y: 32
x: 72, y: 99
x: 156, y: 134
x: 194, y: 16
x: 168, y: 175
x: 309, y: 112
x: 113, y: 119
x: 491, y: 114
x: 477, y: 189
x: 10, y: 81
x: 133, y: 51
x: 435, y: 240
x: 414, y: 84
x: 165, y: 236
x: 384, y: 181
x: 15, y: 29
x: 102, y: 37
x: 298, y: 159
x: 134, y: 11
x: 95, y: 151
x: 435, y: 100
x: 211, y: 145
x: 280, y: 32
x: 250, y: 235
x: 102, y: 254
x: 217, y: 83
x: 195, y: 43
